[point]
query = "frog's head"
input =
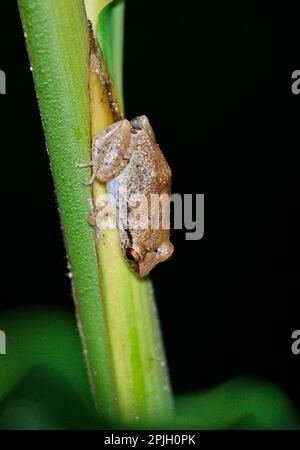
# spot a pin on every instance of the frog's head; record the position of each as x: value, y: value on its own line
x: 142, y: 260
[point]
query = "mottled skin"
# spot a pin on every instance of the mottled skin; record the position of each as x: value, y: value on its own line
x: 126, y: 154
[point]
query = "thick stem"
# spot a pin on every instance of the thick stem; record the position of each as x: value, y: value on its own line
x: 139, y: 366
x: 117, y: 317
x: 58, y: 44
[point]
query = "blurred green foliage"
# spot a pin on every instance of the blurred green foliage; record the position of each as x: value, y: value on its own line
x: 43, y: 385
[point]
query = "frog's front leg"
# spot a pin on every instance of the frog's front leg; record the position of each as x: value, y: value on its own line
x: 111, y: 151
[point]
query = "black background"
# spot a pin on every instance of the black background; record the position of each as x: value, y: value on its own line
x: 215, y: 82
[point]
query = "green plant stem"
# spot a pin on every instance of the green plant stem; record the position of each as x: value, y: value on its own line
x: 117, y: 318
x: 140, y: 370
x: 57, y: 41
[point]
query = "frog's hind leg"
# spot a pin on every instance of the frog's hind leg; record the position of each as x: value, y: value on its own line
x: 112, y: 150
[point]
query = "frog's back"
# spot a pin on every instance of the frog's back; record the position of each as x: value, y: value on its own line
x: 148, y: 170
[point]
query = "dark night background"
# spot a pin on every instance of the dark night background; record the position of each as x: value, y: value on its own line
x: 216, y: 84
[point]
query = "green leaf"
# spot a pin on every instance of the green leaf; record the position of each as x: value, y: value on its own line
x: 241, y: 403
x: 111, y: 39
x: 42, y: 337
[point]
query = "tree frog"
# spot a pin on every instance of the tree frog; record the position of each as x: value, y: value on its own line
x: 126, y: 155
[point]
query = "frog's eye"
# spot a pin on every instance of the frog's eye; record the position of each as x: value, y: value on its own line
x: 132, y: 255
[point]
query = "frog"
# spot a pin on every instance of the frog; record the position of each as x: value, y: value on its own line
x: 126, y: 155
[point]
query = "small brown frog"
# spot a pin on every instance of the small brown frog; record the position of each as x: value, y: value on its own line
x: 126, y: 155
